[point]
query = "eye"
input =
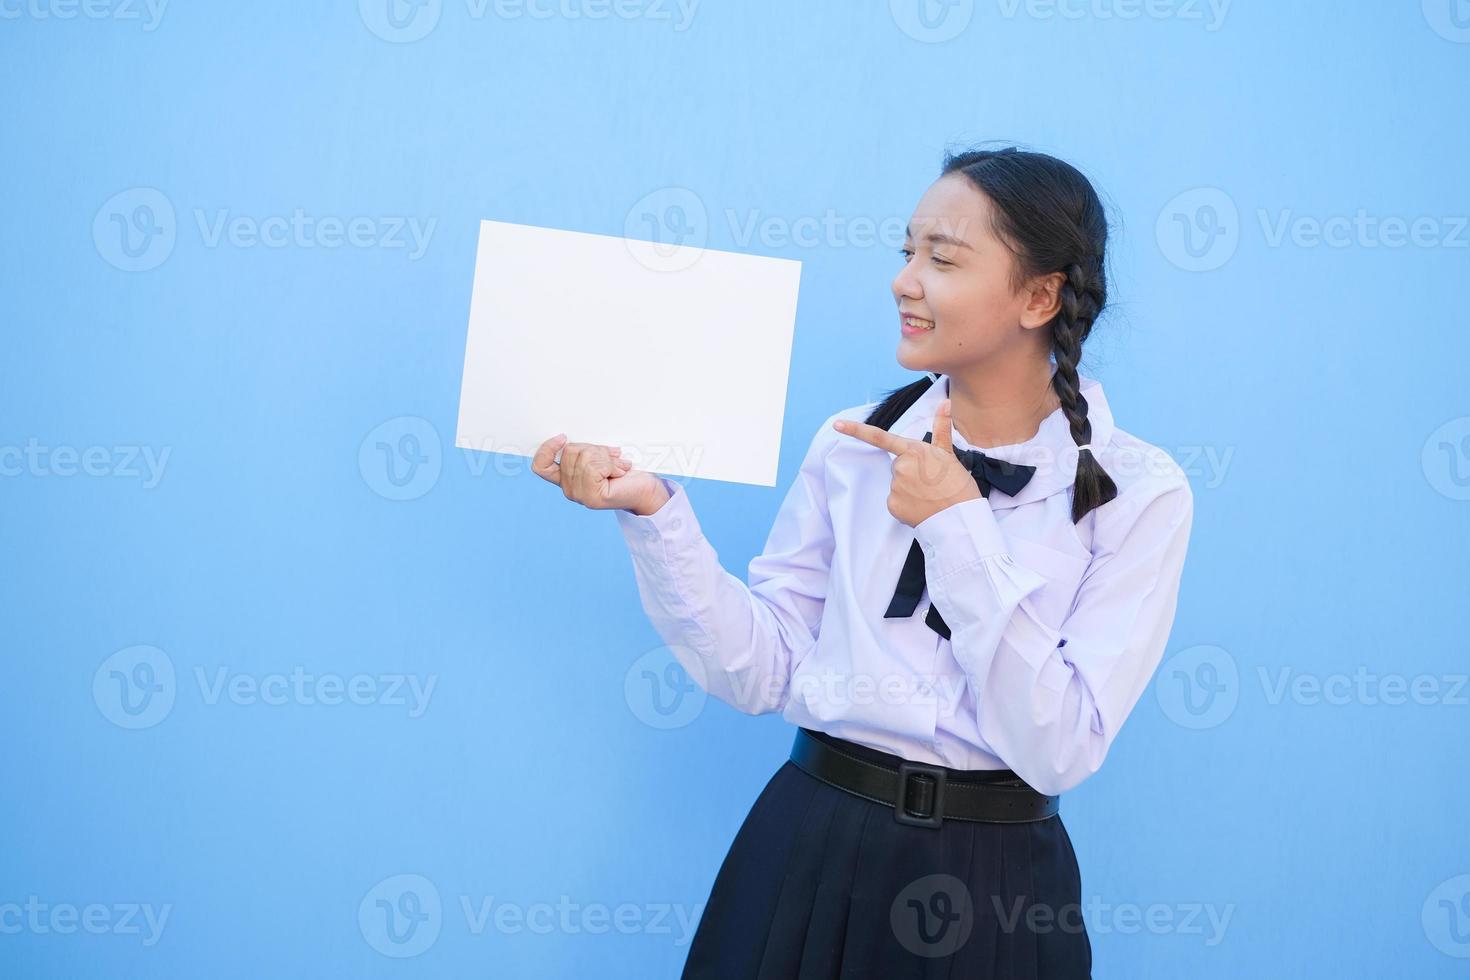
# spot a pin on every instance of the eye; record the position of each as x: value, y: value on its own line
x: 908, y: 253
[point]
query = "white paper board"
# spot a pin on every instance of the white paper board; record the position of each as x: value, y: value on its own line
x: 678, y: 354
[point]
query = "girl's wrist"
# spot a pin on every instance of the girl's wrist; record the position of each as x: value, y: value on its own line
x: 657, y: 499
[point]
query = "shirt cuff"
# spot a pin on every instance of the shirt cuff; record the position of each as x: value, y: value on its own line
x: 959, y: 536
x: 662, y: 532
x: 968, y: 567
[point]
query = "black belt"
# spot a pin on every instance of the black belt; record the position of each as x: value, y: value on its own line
x: 919, y: 793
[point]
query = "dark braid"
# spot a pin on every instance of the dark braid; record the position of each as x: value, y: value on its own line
x: 896, y: 402
x: 1083, y: 295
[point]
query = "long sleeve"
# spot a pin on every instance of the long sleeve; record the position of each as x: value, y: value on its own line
x: 739, y: 641
x: 1051, y: 701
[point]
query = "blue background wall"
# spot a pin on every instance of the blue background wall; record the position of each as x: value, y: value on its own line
x: 207, y: 710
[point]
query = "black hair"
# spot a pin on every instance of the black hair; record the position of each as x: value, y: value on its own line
x: 1049, y: 216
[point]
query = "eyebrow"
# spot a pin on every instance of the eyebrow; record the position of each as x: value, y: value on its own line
x: 938, y: 238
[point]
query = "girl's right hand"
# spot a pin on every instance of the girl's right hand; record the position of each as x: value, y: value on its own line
x: 597, y: 476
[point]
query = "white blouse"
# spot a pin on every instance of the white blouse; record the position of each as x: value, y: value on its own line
x: 1056, y: 629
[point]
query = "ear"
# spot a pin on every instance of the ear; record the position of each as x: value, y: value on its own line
x: 1043, y: 300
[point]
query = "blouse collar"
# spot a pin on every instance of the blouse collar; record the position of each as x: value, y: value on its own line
x: 1052, y: 450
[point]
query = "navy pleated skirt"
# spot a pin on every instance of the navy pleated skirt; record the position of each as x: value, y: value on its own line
x: 820, y: 884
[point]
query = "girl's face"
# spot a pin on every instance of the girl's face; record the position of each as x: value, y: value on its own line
x: 956, y: 278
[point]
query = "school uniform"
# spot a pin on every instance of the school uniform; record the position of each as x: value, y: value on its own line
x: 996, y: 641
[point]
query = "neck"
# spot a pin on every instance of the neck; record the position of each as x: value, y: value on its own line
x: 1000, y: 405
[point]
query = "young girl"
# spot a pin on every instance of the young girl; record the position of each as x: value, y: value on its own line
x: 965, y: 592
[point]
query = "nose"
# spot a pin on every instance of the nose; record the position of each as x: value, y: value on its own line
x: 906, y: 284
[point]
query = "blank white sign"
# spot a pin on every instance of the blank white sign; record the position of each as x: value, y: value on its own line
x: 678, y: 354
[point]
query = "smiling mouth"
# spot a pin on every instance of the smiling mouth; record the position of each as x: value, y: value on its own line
x: 915, y: 323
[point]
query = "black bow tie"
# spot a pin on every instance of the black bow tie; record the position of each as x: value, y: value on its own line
x: 988, y: 472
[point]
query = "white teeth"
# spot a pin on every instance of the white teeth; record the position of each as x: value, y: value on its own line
x: 914, y: 322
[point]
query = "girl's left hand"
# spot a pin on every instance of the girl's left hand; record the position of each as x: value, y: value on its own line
x: 927, y: 476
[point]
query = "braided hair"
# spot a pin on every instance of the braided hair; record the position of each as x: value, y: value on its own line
x: 1050, y: 217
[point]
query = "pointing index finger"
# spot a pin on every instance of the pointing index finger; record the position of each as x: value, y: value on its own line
x: 873, y: 435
